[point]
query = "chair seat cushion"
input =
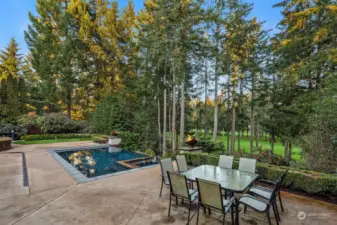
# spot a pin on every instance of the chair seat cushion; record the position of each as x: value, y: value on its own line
x: 265, y: 193
x: 253, y: 203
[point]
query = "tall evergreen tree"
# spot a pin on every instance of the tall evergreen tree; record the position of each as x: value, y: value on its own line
x: 12, y: 88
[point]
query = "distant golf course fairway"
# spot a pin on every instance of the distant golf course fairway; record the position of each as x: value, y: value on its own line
x: 278, y: 147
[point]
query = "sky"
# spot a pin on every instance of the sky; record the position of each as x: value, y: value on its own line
x: 14, y: 17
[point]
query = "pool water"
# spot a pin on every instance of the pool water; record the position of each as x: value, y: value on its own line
x: 97, y: 162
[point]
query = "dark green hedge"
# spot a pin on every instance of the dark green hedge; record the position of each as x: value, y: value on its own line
x: 54, y: 136
x: 311, y: 182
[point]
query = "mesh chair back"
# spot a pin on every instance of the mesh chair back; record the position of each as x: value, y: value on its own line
x: 226, y: 161
x: 247, y: 165
x: 275, y: 189
x: 182, y: 164
x: 178, y: 184
x: 283, y: 176
x: 166, y: 165
x: 282, y: 179
x: 210, y: 194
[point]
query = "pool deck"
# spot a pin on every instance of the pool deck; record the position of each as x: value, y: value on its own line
x: 54, y: 197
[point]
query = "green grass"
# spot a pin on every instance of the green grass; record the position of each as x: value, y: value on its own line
x: 245, y: 144
x: 51, y: 141
x: 278, y: 147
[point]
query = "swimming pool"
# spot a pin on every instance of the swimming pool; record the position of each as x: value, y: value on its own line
x: 102, y: 161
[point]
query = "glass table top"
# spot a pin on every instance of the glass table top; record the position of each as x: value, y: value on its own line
x: 229, y: 179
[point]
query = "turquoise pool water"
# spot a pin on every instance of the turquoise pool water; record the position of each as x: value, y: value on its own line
x: 97, y: 162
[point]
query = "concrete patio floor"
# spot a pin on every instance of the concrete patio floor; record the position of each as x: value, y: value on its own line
x: 54, y: 197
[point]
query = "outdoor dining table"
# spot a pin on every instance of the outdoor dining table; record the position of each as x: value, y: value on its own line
x: 231, y: 180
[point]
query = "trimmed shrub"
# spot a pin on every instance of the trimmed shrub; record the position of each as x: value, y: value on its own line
x: 6, y: 130
x: 100, y: 139
x: 150, y: 153
x: 209, y: 146
x: 30, y: 122
x: 60, y: 124
x: 301, y: 180
x: 55, y: 136
x: 5, y: 143
x: 130, y: 141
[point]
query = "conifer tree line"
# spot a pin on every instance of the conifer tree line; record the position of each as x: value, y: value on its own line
x: 178, y: 66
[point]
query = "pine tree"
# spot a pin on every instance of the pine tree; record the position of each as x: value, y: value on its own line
x: 57, y: 52
x: 238, y: 45
x: 12, y: 89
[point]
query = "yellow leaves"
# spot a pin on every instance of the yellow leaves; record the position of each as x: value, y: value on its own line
x: 150, y: 5
x: 253, y: 21
x: 299, y: 24
x: 285, y: 42
x: 332, y: 8
x: 209, y: 101
x: 321, y: 33
x: 31, y: 107
x: 332, y: 55
x: 185, y: 3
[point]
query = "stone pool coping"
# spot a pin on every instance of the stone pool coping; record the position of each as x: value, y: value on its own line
x: 77, y: 175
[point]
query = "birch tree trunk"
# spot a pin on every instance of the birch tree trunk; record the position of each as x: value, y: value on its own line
x: 290, y: 152
x: 286, y: 149
x: 159, y: 125
x: 252, y: 125
x: 205, y: 103
x: 170, y: 125
x: 182, y: 114
x: 216, y: 109
x: 233, y: 122
x: 216, y: 106
x: 165, y: 114
x: 235, y: 71
x: 174, y: 146
x: 228, y: 102
x: 257, y: 134
x: 271, y: 152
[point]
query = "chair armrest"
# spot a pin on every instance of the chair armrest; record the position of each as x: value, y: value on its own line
x: 267, y: 181
x: 230, y: 202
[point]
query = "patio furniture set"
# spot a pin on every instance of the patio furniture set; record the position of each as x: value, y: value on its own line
x: 221, y: 188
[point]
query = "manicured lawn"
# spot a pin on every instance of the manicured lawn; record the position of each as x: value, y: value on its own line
x: 278, y: 148
x: 50, y: 141
x: 245, y: 144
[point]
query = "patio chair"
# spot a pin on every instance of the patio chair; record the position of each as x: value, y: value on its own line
x: 262, y: 205
x: 182, y: 164
x: 266, y: 193
x: 247, y: 165
x: 210, y: 196
x: 179, y: 189
x: 226, y: 161
x: 165, y: 165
